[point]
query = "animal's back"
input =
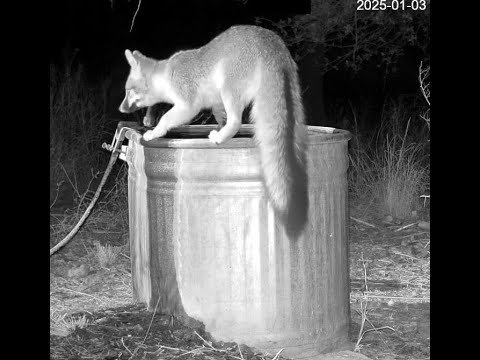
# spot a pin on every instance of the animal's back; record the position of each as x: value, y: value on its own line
x: 240, y: 45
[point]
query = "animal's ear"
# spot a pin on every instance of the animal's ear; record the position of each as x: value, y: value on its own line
x: 130, y: 58
x: 138, y: 53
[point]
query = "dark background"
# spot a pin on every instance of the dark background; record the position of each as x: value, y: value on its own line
x: 101, y: 28
x: 95, y: 33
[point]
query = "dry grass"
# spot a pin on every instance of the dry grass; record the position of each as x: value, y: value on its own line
x: 109, y: 212
x: 64, y: 325
x: 399, y: 259
x: 390, y: 168
x: 364, y: 312
x: 77, y: 126
x: 402, y: 176
x: 102, y: 288
x: 106, y: 254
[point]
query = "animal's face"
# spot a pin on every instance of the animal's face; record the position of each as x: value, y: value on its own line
x: 132, y: 101
x: 136, y: 87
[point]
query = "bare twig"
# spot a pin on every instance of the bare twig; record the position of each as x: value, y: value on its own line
x: 409, y: 256
x: 412, y: 235
x: 193, y: 351
x: 56, y: 194
x: 128, y: 257
x: 277, y: 354
x: 135, y: 15
x: 397, y: 297
x: 425, y: 197
x: 423, y: 74
x: 362, y: 222
x: 363, y: 313
x: 151, y: 321
x: 364, y: 309
x: 205, y: 341
x: 211, y: 348
x: 406, y: 226
x: 74, y: 186
x: 125, y: 346
x: 364, y: 273
x: 240, y: 351
x: 362, y: 324
x: 169, y: 348
x: 85, y: 294
x: 377, y: 329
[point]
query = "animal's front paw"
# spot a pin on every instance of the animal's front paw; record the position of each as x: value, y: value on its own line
x: 155, y: 133
x: 149, y: 135
x: 214, y: 137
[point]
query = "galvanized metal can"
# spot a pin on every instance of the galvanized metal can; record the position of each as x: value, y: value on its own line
x: 205, y: 242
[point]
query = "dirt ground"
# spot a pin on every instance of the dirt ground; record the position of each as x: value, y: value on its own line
x: 390, y: 286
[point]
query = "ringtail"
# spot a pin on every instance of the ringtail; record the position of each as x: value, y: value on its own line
x: 245, y: 65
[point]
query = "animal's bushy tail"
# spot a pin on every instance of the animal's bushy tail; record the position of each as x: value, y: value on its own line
x: 280, y: 132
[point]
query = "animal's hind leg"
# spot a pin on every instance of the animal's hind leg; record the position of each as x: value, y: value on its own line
x: 233, y: 110
x: 220, y: 116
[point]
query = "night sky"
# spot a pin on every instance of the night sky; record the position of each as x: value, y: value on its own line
x: 100, y: 32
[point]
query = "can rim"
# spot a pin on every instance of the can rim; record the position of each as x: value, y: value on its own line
x: 316, y: 135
